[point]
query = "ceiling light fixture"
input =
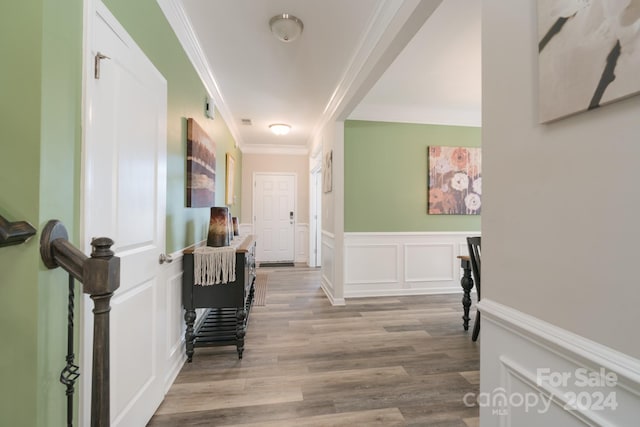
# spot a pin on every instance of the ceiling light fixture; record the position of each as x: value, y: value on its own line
x: 280, y: 128
x: 285, y: 27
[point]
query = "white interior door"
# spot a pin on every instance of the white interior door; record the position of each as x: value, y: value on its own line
x: 274, y: 217
x: 124, y: 198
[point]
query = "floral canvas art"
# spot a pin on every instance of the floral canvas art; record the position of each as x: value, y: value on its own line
x: 455, y: 181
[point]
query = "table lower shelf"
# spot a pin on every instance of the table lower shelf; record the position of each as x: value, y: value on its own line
x: 219, y: 327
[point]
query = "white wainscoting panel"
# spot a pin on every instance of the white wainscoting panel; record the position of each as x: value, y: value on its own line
x: 175, y: 325
x: 429, y: 262
x: 245, y: 229
x: 380, y: 264
x: 534, y: 374
x: 328, y: 268
x: 302, y: 243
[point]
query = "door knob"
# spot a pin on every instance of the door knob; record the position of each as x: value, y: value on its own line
x: 165, y: 258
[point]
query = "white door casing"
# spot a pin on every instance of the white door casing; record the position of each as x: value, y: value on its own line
x: 274, y: 204
x: 124, y: 191
x: 315, y: 232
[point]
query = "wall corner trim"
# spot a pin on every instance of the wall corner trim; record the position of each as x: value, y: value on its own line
x: 559, y: 340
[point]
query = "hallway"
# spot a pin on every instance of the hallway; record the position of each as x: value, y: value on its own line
x: 392, y: 361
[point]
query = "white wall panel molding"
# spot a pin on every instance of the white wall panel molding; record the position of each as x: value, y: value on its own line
x: 571, y: 380
x: 404, y: 263
x: 328, y: 268
x: 302, y: 242
x: 245, y: 228
x: 372, y: 263
x: 430, y: 262
x: 175, y: 327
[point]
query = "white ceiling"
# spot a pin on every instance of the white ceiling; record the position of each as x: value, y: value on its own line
x: 349, y: 62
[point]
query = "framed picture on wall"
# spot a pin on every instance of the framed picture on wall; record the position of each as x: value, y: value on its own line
x: 327, y: 172
x: 455, y: 181
x: 201, y: 167
x: 588, y: 55
x: 230, y: 179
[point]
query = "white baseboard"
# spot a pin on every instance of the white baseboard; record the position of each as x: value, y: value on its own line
x: 572, y: 381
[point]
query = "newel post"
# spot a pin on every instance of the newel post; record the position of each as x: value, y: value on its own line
x: 101, y: 279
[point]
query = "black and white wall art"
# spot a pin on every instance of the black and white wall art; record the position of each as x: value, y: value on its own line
x: 589, y: 54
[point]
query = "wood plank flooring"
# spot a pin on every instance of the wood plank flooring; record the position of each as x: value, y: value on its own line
x: 391, y: 361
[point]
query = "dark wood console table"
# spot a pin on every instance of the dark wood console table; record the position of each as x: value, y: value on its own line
x: 228, y: 304
x: 467, y: 285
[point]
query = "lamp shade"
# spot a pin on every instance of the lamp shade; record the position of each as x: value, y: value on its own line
x: 219, y: 224
x: 236, y: 226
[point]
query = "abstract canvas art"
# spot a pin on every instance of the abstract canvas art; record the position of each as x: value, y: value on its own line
x: 201, y: 167
x: 230, y: 179
x: 455, y: 181
x: 327, y: 172
x: 588, y: 54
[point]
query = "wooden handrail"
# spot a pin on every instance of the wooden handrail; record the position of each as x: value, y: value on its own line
x: 100, y: 277
x: 15, y: 233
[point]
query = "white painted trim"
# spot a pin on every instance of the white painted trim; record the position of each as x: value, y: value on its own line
x: 451, y: 277
x: 328, y: 234
x: 556, y: 395
x: 286, y: 150
x: 179, y: 21
x: 393, y: 24
x: 411, y: 233
x: 422, y: 115
x: 332, y: 300
x: 560, y: 340
x: 409, y: 272
x: 175, y: 355
x: 398, y: 259
x: 520, y: 352
x: 85, y: 321
x: 301, y: 249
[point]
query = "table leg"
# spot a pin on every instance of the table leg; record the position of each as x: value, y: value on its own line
x: 190, y: 318
x: 467, y: 285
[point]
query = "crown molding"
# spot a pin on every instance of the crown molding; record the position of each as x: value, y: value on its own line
x: 291, y: 150
x: 181, y: 25
x: 420, y: 115
x: 393, y: 25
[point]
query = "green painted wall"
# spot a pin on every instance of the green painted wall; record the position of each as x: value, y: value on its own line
x: 385, y: 176
x: 40, y: 149
x: 145, y: 22
x: 40, y: 87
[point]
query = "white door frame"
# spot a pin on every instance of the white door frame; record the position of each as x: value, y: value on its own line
x: 315, y: 216
x: 295, y: 203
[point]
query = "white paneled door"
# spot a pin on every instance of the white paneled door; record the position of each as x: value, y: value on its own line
x: 274, y: 216
x: 124, y: 198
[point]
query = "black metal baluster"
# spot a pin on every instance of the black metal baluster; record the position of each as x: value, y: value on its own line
x: 70, y: 373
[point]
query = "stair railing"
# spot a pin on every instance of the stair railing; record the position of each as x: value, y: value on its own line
x: 100, y: 276
x: 14, y: 233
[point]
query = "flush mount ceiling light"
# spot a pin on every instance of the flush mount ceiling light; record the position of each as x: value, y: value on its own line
x: 286, y: 27
x: 280, y: 128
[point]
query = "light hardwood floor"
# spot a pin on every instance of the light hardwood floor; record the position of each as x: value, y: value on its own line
x: 389, y: 361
